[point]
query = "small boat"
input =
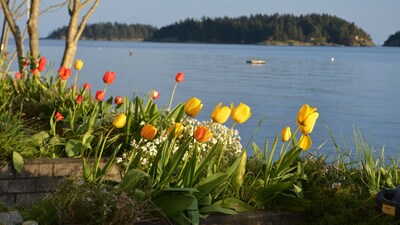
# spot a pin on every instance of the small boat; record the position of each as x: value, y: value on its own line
x: 256, y: 61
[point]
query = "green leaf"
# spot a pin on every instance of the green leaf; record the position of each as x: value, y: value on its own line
x: 213, y: 209
x: 172, y: 205
x: 18, y: 161
x: 87, y: 172
x: 206, y: 160
x: 235, y: 204
x: 206, y: 200
x: 180, y: 190
x: 110, y: 161
x: 39, y: 138
x: 274, y: 189
x: 181, y: 219
x: 235, y: 165
x: 177, y: 113
x: 87, y: 138
x: 73, y: 147
x: 132, y: 178
x: 138, y: 195
x: 208, y: 184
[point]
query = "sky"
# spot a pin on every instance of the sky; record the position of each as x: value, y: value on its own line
x: 380, y: 19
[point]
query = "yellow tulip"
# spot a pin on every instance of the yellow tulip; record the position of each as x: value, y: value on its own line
x: 202, y: 134
x: 192, y: 107
x: 305, y: 142
x: 241, y: 113
x: 286, y: 134
x: 306, y: 118
x: 221, y: 114
x: 177, y: 128
x: 78, y: 64
x: 120, y: 121
x: 148, y: 132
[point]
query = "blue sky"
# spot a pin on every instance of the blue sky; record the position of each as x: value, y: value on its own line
x: 378, y: 18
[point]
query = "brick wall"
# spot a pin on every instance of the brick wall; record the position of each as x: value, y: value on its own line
x: 39, y: 177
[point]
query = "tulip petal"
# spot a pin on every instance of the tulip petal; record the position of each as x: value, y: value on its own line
x: 305, y: 142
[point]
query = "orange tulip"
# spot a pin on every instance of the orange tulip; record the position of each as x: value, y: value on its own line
x: 202, y: 134
x: 148, y: 132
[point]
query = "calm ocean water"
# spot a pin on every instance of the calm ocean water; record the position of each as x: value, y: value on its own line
x: 360, y: 88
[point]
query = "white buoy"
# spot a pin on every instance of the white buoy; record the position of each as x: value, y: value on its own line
x: 332, y: 59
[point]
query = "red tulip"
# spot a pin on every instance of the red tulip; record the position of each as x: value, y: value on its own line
x: 64, y: 73
x: 42, y: 64
x: 34, y: 71
x: 26, y: 62
x: 155, y: 94
x: 67, y: 73
x: 179, y: 77
x: 18, y: 75
x: 79, y: 99
x: 58, y: 116
x: 109, y: 77
x: 100, y: 95
x: 86, y: 86
x: 118, y: 100
x: 61, y: 71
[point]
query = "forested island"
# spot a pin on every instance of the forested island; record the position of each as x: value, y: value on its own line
x: 393, y: 40
x: 110, y: 32
x: 276, y: 29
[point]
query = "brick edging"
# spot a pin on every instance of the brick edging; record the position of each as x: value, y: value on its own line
x: 38, y: 177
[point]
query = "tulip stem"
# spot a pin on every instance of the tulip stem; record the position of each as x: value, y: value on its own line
x: 76, y: 79
x: 172, y: 96
x: 98, y: 157
x: 185, y: 163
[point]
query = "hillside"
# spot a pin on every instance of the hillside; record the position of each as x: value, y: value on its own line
x: 311, y: 29
x: 393, y: 40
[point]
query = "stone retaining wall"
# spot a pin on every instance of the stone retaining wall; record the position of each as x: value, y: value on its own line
x: 37, y: 178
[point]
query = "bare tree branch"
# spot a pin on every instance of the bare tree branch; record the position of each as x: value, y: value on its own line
x: 8, y: 16
x: 53, y: 7
x: 85, y: 3
x: 85, y: 19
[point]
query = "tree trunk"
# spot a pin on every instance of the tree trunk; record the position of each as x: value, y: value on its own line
x: 70, y: 45
x: 75, y: 29
x: 33, y: 29
x: 19, y: 45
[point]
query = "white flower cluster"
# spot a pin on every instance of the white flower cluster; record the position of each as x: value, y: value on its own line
x: 229, y: 137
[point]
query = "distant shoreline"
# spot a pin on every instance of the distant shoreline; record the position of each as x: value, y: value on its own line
x: 268, y: 43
